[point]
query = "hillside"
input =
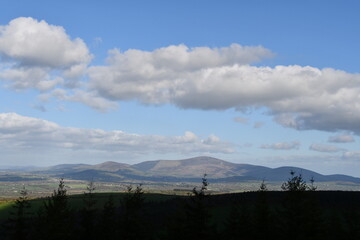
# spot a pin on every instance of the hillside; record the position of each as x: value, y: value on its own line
x: 190, y: 169
x: 196, y: 167
x: 159, y: 216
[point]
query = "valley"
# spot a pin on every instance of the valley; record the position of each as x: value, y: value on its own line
x: 162, y: 176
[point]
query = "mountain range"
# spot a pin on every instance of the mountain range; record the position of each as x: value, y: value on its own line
x: 191, y: 169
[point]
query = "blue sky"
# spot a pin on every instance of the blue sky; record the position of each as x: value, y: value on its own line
x: 269, y: 83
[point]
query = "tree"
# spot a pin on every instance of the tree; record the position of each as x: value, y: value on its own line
x: 295, y: 183
x: 263, y: 187
x: 56, y: 220
x: 204, y: 185
x: 312, y: 186
x: 132, y: 224
x: 17, y: 224
x: 191, y: 218
x: 238, y: 224
x: 88, y: 213
x: 262, y: 215
x: 89, y: 195
x: 197, y: 213
x: 107, y: 223
x: 301, y: 213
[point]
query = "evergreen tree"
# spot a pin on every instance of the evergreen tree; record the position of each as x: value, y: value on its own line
x: 312, y: 186
x: 88, y: 213
x: 107, y: 224
x: 295, y: 183
x: 132, y: 224
x: 89, y: 200
x: 335, y: 226
x: 292, y: 215
x: 175, y: 223
x: 301, y: 215
x: 263, y: 187
x: 198, y: 225
x: 262, y: 216
x: 239, y: 223
x: 55, y: 218
x: 313, y: 214
x: 18, y: 227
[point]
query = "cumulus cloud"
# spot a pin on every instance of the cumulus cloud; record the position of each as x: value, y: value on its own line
x: 343, y: 138
x: 34, y: 51
x: 282, y: 145
x: 166, y: 74
x: 85, y: 97
x: 325, y: 148
x: 300, y: 97
x: 35, y: 54
x: 36, y: 43
x: 18, y: 131
x: 35, y: 77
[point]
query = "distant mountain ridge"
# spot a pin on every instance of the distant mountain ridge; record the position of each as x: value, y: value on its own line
x: 190, y: 169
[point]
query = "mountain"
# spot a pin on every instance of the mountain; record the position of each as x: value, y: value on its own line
x: 193, y: 167
x: 186, y: 170
x: 111, y: 166
x: 63, y: 168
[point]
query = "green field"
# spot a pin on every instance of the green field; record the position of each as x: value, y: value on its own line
x: 76, y: 202
x: 44, y: 188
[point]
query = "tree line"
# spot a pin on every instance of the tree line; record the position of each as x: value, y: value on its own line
x: 296, y: 213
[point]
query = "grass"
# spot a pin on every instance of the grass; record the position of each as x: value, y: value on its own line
x: 77, y: 201
x: 4, y: 204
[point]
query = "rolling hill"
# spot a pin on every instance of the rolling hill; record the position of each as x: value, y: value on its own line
x: 191, y: 169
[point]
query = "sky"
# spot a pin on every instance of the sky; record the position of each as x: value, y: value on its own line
x: 272, y: 83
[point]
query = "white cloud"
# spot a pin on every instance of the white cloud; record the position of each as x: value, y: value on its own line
x: 39, y: 54
x: 35, y: 77
x: 165, y: 74
x: 343, y: 138
x: 282, y: 145
x: 325, y: 148
x: 85, y: 97
x: 75, y: 71
x: 36, y: 43
x: 352, y: 155
x: 217, y: 79
x: 35, y: 54
x: 18, y: 131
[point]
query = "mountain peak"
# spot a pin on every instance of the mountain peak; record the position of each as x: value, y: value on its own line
x: 191, y: 167
x: 111, y: 166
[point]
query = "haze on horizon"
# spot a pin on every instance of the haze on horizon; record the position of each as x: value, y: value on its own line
x: 265, y: 83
